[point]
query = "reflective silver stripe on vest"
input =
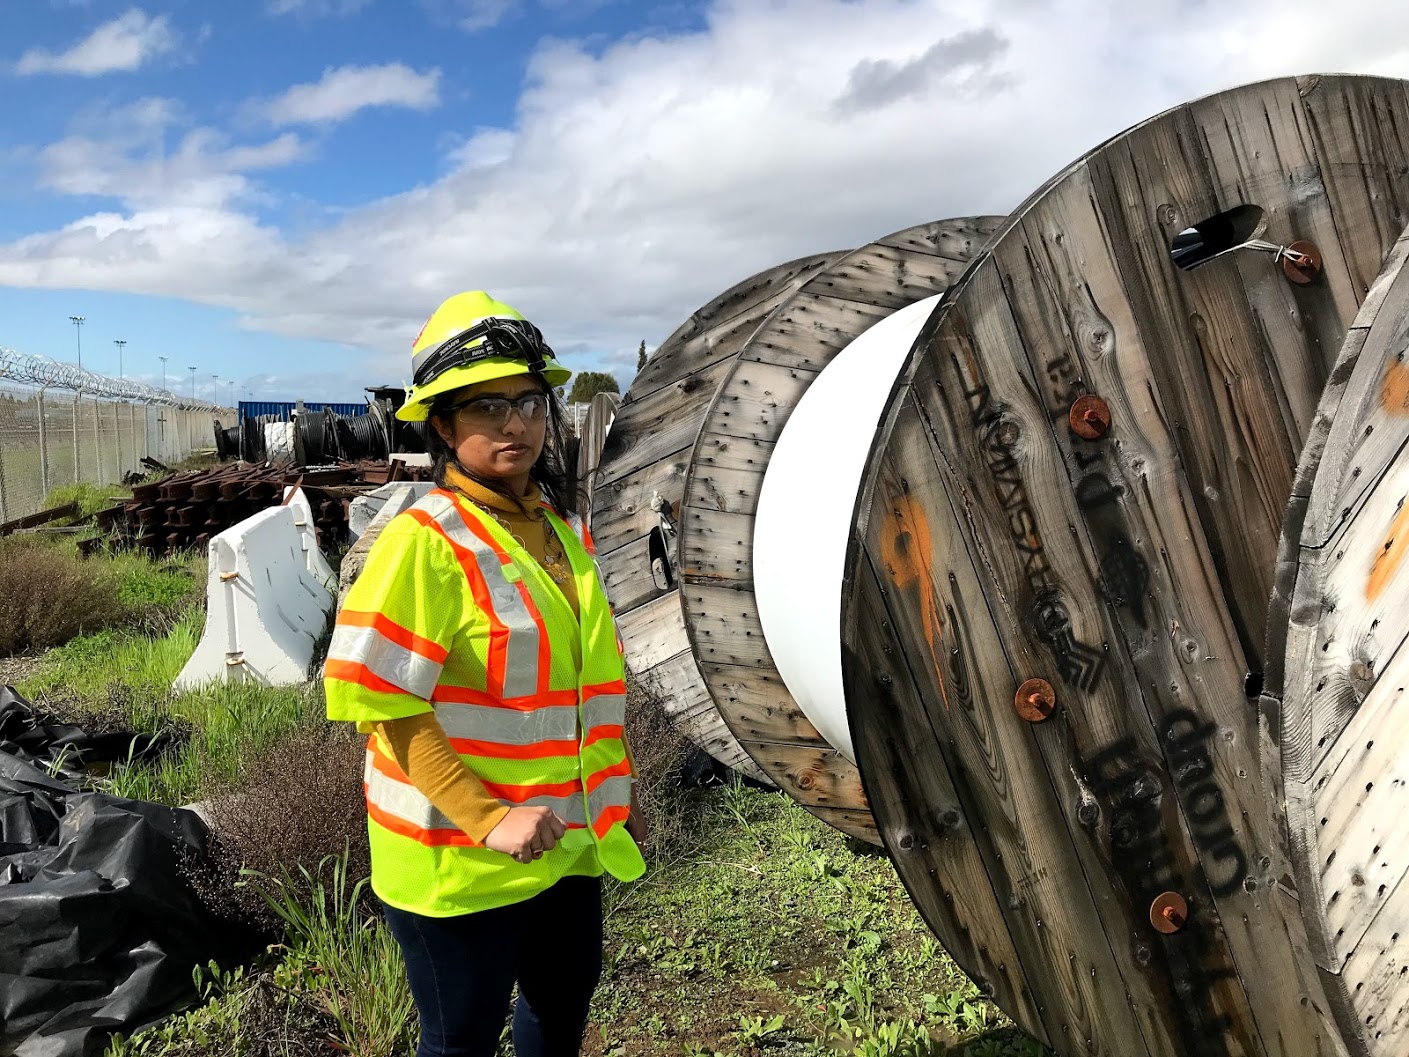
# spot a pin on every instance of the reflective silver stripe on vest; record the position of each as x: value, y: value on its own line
x: 521, y: 654
x: 508, y: 726
x: 568, y: 808
x: 614, y: 792
x: 385, y: 659
x: 404, y: 801
x: 604, y: 710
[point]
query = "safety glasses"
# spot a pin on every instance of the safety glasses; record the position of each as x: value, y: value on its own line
x: 492, y: 412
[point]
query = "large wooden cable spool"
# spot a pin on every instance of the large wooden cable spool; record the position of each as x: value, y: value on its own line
x: 1087, y: 459
x: 751, y: 408
x: 640, y: 481
x: 1334, y: 707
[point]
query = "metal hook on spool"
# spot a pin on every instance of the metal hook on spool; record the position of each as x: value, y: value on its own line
x: 1300, y: 260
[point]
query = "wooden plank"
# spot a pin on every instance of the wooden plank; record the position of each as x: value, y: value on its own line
x: 731, y: 453
x: 884, y: 276
x: 730, y: 491
x: 622, y: 511
x: 660, y: 424
x: 628, y: 577
x: 643, y: 463
x: 41, y: 518
x: 715, y: 331
x: 1344, y: 761
x: 724, y: 625
x: 1148, y: 540
x: 726, y: 477
x: 653, y: 633
x: 809, y: 334
x: 675, y: 682
x: 1360, y: 122
x: 1303, y: 325
x: 965, y: 668
x: 717, y: 546
x: 760, y: 709
x: 1214, y: 383
x: 939, y: 848
x: 1107, y: 767
x: 592, y: 436
x: 758, y: 400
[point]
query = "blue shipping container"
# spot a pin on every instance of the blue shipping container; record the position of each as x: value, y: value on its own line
x: 285, y: 408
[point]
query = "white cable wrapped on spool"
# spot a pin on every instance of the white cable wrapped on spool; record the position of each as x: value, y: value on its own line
x: 804, y: 515
x: 279, y: 441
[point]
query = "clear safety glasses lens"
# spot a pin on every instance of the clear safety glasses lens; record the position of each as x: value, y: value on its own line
x: 494, y: 411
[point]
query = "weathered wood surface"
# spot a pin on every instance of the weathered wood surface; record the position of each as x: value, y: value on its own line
x: 591, y: 437
x: 1334, y: 708
x: 726, y: 470
x: 639, y: 484
x: 1132, y: 572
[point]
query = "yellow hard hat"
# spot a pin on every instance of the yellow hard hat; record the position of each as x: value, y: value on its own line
x: 473, y: 338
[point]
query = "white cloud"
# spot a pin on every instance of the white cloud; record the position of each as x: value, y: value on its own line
x: 342, y: 92
x: 638, y: 181
x: 122, y: 45
x: 123, y: 153
x: 473, y: 16
x: 316, y: 8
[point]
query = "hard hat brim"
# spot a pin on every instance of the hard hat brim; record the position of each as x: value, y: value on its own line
x: 418, y: 401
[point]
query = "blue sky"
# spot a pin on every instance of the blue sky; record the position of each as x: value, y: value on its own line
x: 279, y: 191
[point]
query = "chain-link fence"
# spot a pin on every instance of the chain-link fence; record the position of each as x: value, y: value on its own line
x: 50, y: 438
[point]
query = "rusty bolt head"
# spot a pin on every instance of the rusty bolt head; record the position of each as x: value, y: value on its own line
x: 1169, y: 912
x: 1035, y: 700
x: 1090, y: 417
x: 1301, y: 262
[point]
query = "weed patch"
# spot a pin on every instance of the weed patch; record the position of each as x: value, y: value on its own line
x: 48, y: 595
x: 294, y: 804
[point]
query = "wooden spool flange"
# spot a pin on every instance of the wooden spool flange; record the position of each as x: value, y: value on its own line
x: 1131, y: 570
x: 636, y: 499
x: 1333, y: 696
x: 726, y: 470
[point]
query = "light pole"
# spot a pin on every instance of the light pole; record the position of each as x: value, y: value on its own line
x: 215, y: 389
x: 193, y: 381
x: 232, y: 393
x: 77, y: 322
x: 163, y: 372
x: 120, y: 346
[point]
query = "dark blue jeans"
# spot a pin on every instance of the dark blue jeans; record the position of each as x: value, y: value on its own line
x: 462, y: 972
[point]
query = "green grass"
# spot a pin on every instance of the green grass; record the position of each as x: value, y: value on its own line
x: 90, y: 497
x: 125, y: 677
x: 776, y: 935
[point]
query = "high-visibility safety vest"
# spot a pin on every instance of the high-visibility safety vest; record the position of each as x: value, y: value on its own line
x: 451, y: 610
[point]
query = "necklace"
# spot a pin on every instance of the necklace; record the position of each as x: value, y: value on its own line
x: 554, y: 561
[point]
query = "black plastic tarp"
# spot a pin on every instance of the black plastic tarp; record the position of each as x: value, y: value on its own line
x: 99, y: 928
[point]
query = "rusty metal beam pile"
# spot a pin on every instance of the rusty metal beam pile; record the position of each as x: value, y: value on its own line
x: 187, y: 509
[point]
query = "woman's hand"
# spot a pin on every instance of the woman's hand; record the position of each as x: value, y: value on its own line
x: 636, y: 821
x: 525, y: 833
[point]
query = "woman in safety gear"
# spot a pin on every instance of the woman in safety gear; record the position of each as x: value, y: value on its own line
x: 478, y: 651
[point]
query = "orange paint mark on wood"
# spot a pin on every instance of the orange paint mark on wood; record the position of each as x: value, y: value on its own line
x: 1394, y: 397
x: 1391, y: 555
x: 906, y: 550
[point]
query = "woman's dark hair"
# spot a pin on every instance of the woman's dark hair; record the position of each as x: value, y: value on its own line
x: 549, y: 472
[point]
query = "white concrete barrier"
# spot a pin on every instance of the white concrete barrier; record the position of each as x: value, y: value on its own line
x: 265, y: 609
